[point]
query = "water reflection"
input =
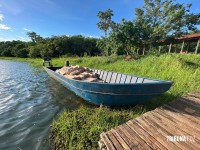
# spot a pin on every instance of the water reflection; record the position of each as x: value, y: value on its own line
x: 29, y: 101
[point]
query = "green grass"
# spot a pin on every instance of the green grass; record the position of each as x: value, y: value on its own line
x: 80, y: 129
x: 36, y: 62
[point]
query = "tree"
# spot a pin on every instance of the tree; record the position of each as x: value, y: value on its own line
x: 34, y: 37
x: 54, y: 46
x: 34, y: 52
x: 104, y: 45
x: 105, y: 22
x: 19, y: 50
x: 123, y: 39
x: 164, y: 19
x: 126, y: 36
x: 156, y: 21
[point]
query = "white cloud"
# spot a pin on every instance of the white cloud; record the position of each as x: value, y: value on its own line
x: 25, y: 29
x: 4, y: 27
x: 90, y: 36
x: 1, y: 17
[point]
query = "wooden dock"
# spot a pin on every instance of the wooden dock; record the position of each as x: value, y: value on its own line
x: 175, y: 125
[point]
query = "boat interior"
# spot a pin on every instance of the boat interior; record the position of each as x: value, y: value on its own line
x: 114, y: 77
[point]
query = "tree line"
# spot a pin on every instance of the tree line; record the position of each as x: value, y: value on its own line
x: 157, y: 22
x: 154, y: 23
x: 54, y: 46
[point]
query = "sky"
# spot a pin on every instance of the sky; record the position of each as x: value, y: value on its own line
x: 63, y: 17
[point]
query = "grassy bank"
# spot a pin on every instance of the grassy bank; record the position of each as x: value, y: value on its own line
x: 81, y: 128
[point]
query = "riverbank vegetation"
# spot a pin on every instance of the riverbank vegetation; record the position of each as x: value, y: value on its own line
x: 182, y: 69
x: 157, y: 23
x: 81, y: 128
x: 51, y: 47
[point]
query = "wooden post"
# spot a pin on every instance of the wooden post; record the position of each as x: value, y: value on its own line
x: 143, y: 50
x: 170, y: 47
x: 175, y: 49
x: 182, y: 46
x: 197, y: 46
x: 159, y: 49
x: 137, y: 51
x: 187, y: 47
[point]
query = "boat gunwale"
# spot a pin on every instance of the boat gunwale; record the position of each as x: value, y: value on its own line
x: 112, y: 84
x: 89, y: 91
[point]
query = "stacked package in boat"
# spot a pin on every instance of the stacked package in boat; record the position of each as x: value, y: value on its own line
x: 79, y: 73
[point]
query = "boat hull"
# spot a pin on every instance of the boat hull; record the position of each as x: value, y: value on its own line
x: 110, y: 94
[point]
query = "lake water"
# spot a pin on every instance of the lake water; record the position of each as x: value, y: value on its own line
x: 29, y: 101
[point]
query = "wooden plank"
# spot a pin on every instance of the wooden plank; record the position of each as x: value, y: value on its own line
x: 157, y: 136
x: 150, y: 140
x: 115, y: 142
x: 180, y: 118
x: 167, y: 129
x: 186, y: 108
x: 189, y: 102
x: 186, y: 105
x: 107, y: 141
x: 197, y: 95
x: 132, y: 144
x: 150, y: 131
x: 101, y: 145
x: 192, y: 99
x: 188, y: 116
x: 120, y: 139
x: 156, y: 133
x: 179, y: 126
x: 137, y: 138
x: 177, y: 131
x: 130, y: 137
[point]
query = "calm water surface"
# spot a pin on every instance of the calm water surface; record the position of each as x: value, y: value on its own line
x: 29, y: 101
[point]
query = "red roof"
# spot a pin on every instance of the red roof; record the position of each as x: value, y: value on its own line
x: 190, y: 36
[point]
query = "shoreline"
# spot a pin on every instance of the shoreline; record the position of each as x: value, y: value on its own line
x: 82, y: 127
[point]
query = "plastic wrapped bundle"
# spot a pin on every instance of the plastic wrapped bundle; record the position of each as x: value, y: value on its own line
x: 79, y: 73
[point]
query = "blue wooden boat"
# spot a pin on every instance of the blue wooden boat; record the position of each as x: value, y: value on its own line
x: 119, y: 89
